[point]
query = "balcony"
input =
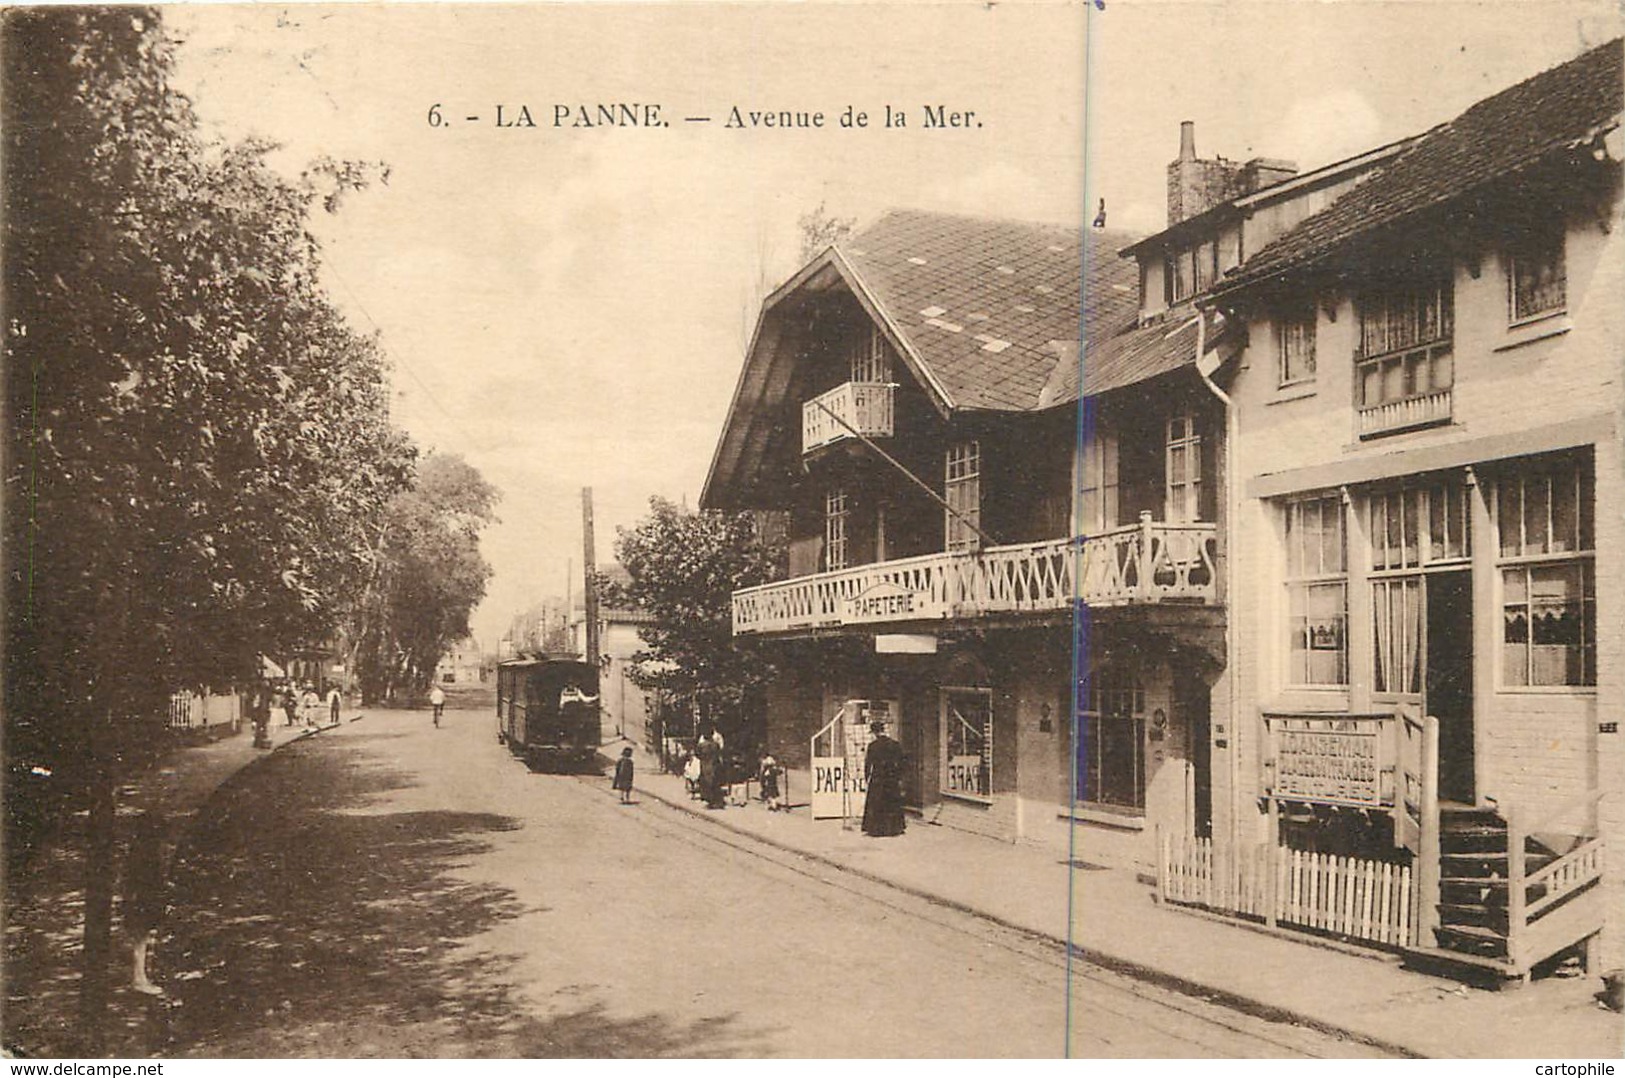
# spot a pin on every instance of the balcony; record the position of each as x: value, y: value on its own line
x: 1421, y: 410
x: 864, y: 407
x: 1140, y: 563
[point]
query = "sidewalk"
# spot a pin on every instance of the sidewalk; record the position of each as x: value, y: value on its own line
x: 1116, y: 923
x: 45, y: 901
x: 180, y: 785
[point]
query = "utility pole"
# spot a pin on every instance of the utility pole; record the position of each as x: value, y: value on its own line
x: 590, y: 565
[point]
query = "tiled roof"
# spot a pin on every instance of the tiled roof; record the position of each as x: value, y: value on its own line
x: 1127, y: 357
x: 1556, y: 110
x: 989, y: 307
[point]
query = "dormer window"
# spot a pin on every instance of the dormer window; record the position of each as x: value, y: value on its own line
x: 1295, y: 346
x: 1191, y: 270
x: 1537, y: 284
x: 871, y: 359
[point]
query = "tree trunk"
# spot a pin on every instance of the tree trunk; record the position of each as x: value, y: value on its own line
x: 100, y: 872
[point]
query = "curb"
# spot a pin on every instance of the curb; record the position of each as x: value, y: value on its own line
x: 1127, y: 967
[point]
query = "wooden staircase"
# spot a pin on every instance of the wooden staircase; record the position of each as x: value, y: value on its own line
x: 1507, y: 899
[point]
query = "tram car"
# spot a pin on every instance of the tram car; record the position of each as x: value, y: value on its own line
x: 547, y: 712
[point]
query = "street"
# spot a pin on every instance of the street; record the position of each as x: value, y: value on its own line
x: 390, y: 889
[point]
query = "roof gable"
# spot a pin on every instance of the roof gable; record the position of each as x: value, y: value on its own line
x: 1567, y: 106
x: 986, y: 313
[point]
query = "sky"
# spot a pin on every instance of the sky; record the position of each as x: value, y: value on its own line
x: 570, y: 306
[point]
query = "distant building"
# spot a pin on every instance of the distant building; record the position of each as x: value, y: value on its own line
x: 463, y: 664
x: 627, y: 710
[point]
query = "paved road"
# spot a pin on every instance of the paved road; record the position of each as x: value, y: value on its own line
x: 393, y: 889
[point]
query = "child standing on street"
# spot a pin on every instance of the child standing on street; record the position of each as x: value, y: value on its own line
x: 768, y: 776
x: 623, y: 776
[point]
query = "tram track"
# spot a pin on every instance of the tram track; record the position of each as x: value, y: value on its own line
x: 1097, y: 996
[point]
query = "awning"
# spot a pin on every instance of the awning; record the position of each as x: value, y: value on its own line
x: 271, y: 669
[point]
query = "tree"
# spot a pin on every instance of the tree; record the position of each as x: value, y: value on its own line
x: 684, y: 567
x: 199, y: 445
x: 819, y: 229
x: 429, y: 576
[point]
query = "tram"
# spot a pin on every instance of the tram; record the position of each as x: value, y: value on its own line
x: 548, y: 712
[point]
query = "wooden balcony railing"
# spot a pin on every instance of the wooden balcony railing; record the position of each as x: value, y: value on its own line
x: 865, y: 407
x: 1143, y: 563
x: 1417, y: 411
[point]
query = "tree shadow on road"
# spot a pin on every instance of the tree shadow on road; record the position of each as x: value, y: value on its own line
x: 304, y: 927
x: 289, y: 908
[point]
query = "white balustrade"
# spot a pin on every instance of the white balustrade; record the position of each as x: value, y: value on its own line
x: 1140, y: 563
x: 1410, y: 412
x: 865, y: 407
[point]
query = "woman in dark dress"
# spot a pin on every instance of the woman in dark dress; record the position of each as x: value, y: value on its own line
x: 711, y: 773
x: 883, y: 774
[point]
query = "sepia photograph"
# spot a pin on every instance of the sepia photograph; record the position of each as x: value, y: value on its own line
x: 800, y: 531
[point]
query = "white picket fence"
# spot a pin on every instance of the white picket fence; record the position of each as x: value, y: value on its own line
x: 191, y: 709
x: 1358, y: 899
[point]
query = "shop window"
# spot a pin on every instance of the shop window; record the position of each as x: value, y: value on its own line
x: 962, y: 490
x: 1548, y: 575
x: 837, y: 514
x: 1317, y: 592
x: 1183, y: 470
x: 967, y: 740
x: 1111, y: 733
x: 1295, y: 346
x: 1537, y: 281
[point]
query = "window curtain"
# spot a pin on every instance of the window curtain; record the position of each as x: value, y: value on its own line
x: 1397, y: 612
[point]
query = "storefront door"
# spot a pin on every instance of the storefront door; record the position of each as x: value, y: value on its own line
x: 1448, y: 682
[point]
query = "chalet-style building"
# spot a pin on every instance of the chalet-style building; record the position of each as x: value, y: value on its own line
x: 1282, y: 552
x: 1427, y: 478
x: 910, y: 402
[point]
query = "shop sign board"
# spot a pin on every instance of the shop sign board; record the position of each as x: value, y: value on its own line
x: 885, y: 601
x: 836, y: 789
x: 965, y: 776
x: 1329, y: 761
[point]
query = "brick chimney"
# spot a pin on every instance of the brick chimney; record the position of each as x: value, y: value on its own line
x: 1195, y: 185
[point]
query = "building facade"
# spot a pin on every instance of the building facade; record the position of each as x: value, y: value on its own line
x: 909, y: 406
x: 1428, y: 476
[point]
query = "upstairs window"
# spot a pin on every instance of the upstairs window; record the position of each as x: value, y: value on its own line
x: 871, y: 359
x: 1295, y: 346
x: 1183, y: 470
x: 837, y: 513
x: 1191, y: 270
x: 1537, y: 283
x: 1097, y: 483
x: 1404, y: 368
x: 962, y: 490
